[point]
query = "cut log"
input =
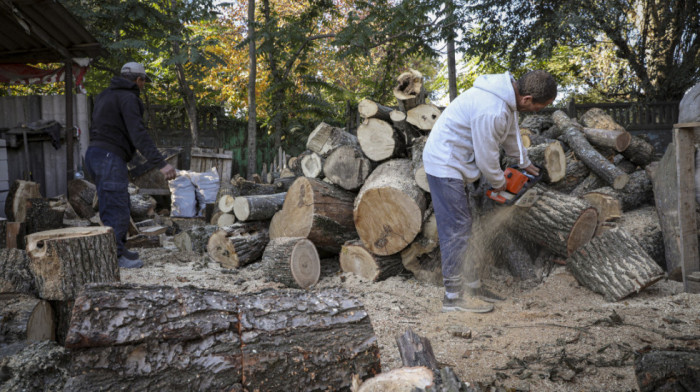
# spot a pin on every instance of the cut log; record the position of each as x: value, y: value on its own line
x: 525, y: 137
x: 15, y: 276
x: 283, y: 184
x: 637, y: 193
x: 25, y: 319
x: 658, y: 371
x: 617, y: 140
x: 423, y: 116
x: 414, y: 379
x: 347, y: 167
x: 240, y: 244
x: 507, y: 249
x: 41, y: 366
x: 312, y: 165
x: 638, y: 151
x: 389, y: 208
x: 643, y: 225
x: 549, y: 157
x: 422, y: 257
x: 614, y: 265
x: 215, y: 218
x: 537, y: 123
x: 417, y: 163
x: 355, y: 258
x: 81, y: 195
x: 597, y: 118
x: 318, y: 211
x: 585, y: 152
x: 397, y: 116
x: 590, y: 183
x: 262, y: 207
x: 379, y: 140
x: 292, y: 261
x: 41, y: 217
x: 409, y: 91
x: 608, y: 206
x: 16, y: 201
x: 60, y: 203
x: 409, y: 132
x: 326, y: 138
x: 16, y: 232
x: 142, y: 206
x: 558, y: 222
x: 194, y: 239
x: 576, y: 172
x: 243, y: 187
x: 225, y: 219
x: 370, y: 109
x: 63, y: 261
x: 665, y: 183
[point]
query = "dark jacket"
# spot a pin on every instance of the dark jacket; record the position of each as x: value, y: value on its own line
x: 117, y: 123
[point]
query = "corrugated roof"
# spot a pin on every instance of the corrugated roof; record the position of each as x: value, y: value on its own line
x: 42, y: 31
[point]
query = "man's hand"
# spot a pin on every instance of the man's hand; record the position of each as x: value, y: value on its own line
x: 168, y: 172
x: 532, y: 169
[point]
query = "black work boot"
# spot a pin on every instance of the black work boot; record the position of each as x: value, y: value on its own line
x: 485, y: 294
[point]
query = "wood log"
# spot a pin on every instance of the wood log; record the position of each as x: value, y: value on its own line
x: 423, y: 116
x: 142, y: 206
x: 243, y: 187
x: 409, y: 91
x: 81, y: 195
x: 422, y: 257
x: 16, y: 232
x: 240, y: 244
x: 658, y: 371
x: 584, y: 151
x: 389, y: 208
x: 537, y: 123
x: 292, y: 261
x: 60, y: 203
x: 558, y: 222
x: 370, y: 109
x: 665, y: 184
x: 638, y: 151
x: 409, y: 132
x: 525, y: 137
x: 380, y: 141
x: 194, y: 239
x: 356, y: 258
x: 63, y: 261
x: 215, y: 218
x: 644, y: 226
x: 188, y: 338
x: 25, y: 319
x: 318, y: 211
x: 15, y: 275
x: 508, y: 250
x: 41, y: 366
x: 262, y: 207
x: 326, y: 138
x: 283, y: 184
x: 312, y: 165
x: 597, y: 118
x: 397, y: 116
x: 416, y: 350
x: 608, y: 206
x: 16, y: 201
x: 614, y: 265
x: 347, y: 167
x: 225, y: 219
x: 637, y: 193
x: 414, y: 379
x: 417, y: 163
x: 41, y: 217
x: 550, y: 158
x: 576, y: 172
x: 617, y: 140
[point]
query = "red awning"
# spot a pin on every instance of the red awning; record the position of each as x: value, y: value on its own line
x: 26, y: 74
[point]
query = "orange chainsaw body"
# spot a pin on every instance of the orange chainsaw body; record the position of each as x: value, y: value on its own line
x: 517, y: 182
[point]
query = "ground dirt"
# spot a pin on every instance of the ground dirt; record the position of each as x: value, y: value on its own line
x: 551, y: 335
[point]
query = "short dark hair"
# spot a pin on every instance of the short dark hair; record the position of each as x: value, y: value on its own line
x: 132, y: 76
x: 540, y: 84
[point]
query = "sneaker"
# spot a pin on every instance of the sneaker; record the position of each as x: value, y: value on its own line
x: 466, y: 303
x: 485, y: 294
x: 124, y: 262
x: 130, y: 255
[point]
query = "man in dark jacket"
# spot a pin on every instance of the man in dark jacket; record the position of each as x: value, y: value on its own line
x: 117, y: 132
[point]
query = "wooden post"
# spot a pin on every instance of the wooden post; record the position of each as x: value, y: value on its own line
x: 685, y: 166
x: 69, y: 119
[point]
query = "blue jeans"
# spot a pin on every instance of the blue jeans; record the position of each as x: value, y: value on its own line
x: 454, y: 223
x: 112, y: 181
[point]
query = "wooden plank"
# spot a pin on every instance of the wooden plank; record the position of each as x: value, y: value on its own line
x: 227, y: 155
x: 685, y: 167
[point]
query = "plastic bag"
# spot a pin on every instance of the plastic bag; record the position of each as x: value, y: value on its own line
x: 207, y: 187
x: 183, y: 198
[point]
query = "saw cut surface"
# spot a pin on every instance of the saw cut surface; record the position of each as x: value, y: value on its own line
x: 304, y: 264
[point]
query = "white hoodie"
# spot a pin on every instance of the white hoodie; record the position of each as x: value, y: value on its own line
x: 464, y: 142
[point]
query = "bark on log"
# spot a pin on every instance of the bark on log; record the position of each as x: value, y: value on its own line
x: 597, y: 118
x: 637, y: 193
x: 584, y: 151
x: 292, y: 261
x: 389, y: 208
x: 240, y: 244
x: 312, y: 165
x: 262, y: 207
x: 25, y: 319
x: 356, y: 258
x: 537, y: 123
x: 283, y: 184
x: 194, y: 239
x: 558, y: 222
x: 380, y: 141
x: 591, y: 182
x: 63, y: 261
x: 409, y: 132
x: 41, y: 217
x: 243, y: 187
x: 658, y: 371
x: 142, y: 206
x: 409, y: 91
x: 347, y: 167
x: 614, y: 265
x: 41, y: 366
x: 326, y: 138
x: 423, y: 116
x: 638, y: 151
x: 416, y: 350
x: 370, y: 109
x: 617, y: 140
x: 665, y: 183
x: 417, y: 163
x: 81, y: 195
x: 643, y: 225
x: 318, y: 211
x: 16, y: 232
x: 422, y: 257
x: 510, y: 251
x: 16, y: 201
x: 15, y: 276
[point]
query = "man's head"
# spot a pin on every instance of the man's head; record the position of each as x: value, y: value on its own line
x: 136, y: 73
x: 535, y: 90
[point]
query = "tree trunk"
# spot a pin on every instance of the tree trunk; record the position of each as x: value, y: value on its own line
x: 240, y: 244
x: 194, y: 239
x: 81, y: 195
x: 15, y: 275
x: 380, y: 141
x: 370, y: 109
x: 417, y: 163
x: 292, y: 261
x: 409, y: 90
x: 423, y: 116
x: 613, y: 265
x: 326, y: 138
x: 16, y: 201
x: 659, y: 371
x: 355, y: 258
x: 347, y: 167
x: 592, y: 158
x: 422, y: 257
x: 558, y: 222
x: 63, y: 261
x: 665, y: 183
x: 318, y: 211
x: 262, y: 207
x: 25, y: 319
x: 312, y: 165
x: 41, y: 217
x: 252, y: 77
x: 389, y: 208
x: 188, y: 97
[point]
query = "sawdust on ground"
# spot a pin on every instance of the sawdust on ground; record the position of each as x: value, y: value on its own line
x: 553, y: 335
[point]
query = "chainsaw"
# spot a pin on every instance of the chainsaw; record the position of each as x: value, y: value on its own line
x: 518, y: 181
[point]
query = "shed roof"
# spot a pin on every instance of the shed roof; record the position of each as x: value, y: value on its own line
x: 42, y: 31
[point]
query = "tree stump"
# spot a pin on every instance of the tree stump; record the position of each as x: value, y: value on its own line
x: 15, y: 276
x: 614, y: 265
x: 81, y: 195
x: 380, y: 141
x: 326, y: 138
x: 389, y: 208
x: 355, y: 258
x: 16, y: 201
x: 312, y: 165
x: 240, y: 244
x: 24, y: 319
x: 292, y: 261
x: 347, y: 167
x: 423, y: 116
x: 63, y: 261
x: 262, y: 207
x: 370, y: 109
x: 194, y: 239
x: 318, y: 211
x: 417, y: 163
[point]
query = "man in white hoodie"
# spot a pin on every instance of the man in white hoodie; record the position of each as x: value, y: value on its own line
x: 463, y: 146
